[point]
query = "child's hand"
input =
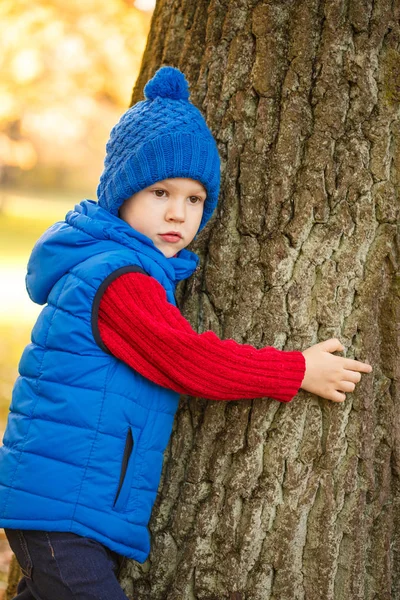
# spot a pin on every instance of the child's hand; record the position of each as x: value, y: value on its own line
x: 330, y: 376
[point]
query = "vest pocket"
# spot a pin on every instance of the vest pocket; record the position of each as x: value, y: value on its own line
x: 125, y: 477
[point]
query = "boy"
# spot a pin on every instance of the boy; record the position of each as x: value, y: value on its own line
x: 93, y: 408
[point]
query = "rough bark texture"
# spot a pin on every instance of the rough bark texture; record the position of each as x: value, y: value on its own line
x: 259, y: 500
x: 263, y: 501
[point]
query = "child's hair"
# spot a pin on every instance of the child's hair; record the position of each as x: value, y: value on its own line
x: 161, y: 137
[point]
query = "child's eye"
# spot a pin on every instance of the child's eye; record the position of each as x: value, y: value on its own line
x: 161, y: 195
x: 195, y: 198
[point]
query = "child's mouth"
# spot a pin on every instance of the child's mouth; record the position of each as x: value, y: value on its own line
x: 170, y: 237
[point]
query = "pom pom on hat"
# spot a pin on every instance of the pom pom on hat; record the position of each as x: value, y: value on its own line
x: 168, y: 82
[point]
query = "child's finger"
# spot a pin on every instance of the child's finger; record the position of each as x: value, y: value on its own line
x: 332, y: 345
x: 356, y: 365
x: 338, y: 396
x: 353, y: 376
x: 346, y: 386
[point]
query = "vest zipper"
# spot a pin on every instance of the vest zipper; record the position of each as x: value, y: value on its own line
x: 125, y: 459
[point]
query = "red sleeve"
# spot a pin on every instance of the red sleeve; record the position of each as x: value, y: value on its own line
x: 139, y: 326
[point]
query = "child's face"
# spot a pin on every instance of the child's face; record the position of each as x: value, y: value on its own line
x: 171, y: 205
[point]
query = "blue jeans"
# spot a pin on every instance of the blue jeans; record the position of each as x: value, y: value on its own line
x: 64, y: 566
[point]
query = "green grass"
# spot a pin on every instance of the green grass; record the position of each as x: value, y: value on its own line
x: 23, y: 219
x: 18, y: 236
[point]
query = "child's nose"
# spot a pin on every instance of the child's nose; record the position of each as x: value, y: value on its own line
x: 176, y: 211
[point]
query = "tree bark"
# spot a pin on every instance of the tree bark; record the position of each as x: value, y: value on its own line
x: 260, y: 500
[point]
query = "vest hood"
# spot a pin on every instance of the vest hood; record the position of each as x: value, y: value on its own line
x: 89, y: 230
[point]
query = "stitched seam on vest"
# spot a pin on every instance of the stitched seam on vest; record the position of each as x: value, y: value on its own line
x: 67, y: 385
x: 68, y: 312
x: 47, y: 420
x: 109, y: 393
x: 157, y: 411
x: 16, y: 449
x: 126, y: 521
x: 99, y: 294
x: 30, y: 493
x: 33, y: 410
x: 97, y: 510
x: 98, y: 390
x: 58, y: 499
x: 93, y: 442
x: 62, y: 350
x: 72, y: 274
x: 65, y: 462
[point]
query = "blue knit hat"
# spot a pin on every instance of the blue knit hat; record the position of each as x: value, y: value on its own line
x: 161, y: 137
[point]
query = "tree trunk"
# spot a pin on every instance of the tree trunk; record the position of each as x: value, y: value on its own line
x: 261, y: 500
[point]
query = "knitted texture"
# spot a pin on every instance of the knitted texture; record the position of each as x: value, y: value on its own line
x: 161, y: 137
x: 140, y: 327
x: 169, y: 83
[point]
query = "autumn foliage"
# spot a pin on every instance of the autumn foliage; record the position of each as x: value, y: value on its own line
x: 67, y: 72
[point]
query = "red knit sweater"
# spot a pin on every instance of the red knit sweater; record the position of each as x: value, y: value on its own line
x: 139, y: 326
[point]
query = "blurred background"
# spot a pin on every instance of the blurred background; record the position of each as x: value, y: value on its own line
x: 67, y: 72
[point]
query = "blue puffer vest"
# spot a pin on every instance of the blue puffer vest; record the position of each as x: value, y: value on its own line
x: 84, y: 443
